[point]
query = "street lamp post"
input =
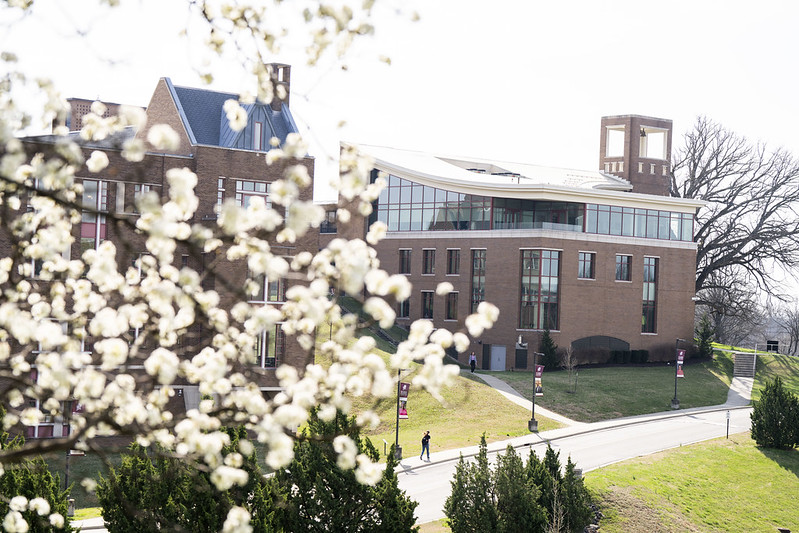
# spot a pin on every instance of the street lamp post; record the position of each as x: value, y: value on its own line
x: 532, y: 425
x: 397, y: 448
x: 675, y: 403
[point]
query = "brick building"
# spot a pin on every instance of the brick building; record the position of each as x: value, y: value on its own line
x: 228, y: 165
x: 603, y: 259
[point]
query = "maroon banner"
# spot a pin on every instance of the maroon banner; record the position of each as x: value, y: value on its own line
x: 403, y: 389
x: 403, y: 399
x: 539, y: 372
x: 403, y: 408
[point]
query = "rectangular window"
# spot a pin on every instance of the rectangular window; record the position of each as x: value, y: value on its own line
x: 405, y: 261
x: 428, y: 262
x: 478, y: 279
x: 328, y: 225
x: 624, y: 267
x: 247, y: 190
x: 404, y: 308
x: 139, y: 190
x: 270, y: 347
x: 453, y: 262
x: 269, y: 291
x: 220, y: 191
x: 93, y: 219
x: 649, y: 316
x: 452, y: 306
x: 427, y: 304
x: 586, y: 262
x: 539, y: 289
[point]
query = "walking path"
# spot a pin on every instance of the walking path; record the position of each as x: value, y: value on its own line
x: 738, y: 397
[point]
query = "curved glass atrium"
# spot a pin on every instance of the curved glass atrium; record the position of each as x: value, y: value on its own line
x: 407, y: 206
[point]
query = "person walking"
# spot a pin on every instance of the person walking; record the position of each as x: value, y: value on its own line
x: 425, y: 445
x: 472, y: 361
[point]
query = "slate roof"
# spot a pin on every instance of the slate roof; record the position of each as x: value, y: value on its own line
x: 205, y: 121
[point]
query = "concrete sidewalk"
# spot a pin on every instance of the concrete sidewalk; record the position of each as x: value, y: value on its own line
x: 738, y: 397
x: 90, y: 525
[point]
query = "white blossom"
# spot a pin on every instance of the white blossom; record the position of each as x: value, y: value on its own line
x: 237, y: 521
x: 57, y: 520
x: 346, y: 450
x: 368, y: 473
x: 236, y: 115
x: 163, y: 137
x: 97, y: 162
x: 15, y: 523
x: 40, y: 506
x: 444, y: 288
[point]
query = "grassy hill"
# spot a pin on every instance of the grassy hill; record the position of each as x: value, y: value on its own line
x: 770, y: 366
x: 720, y: 485
x: 470, y: 408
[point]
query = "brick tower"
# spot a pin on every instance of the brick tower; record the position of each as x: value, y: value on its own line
x: 638, y: 149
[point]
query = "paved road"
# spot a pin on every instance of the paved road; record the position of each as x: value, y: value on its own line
x: 591, y: 446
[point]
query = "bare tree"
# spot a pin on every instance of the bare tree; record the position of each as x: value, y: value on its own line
x: 569, y: 362
x: 750, y: 222
x: 787, y: 318
x: 734, y: 311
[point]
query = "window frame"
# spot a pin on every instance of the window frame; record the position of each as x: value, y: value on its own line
x: 622, y: 261
x: 405, y: 255
x: 451, y: 309
x: 649, y: 297
x: 453, y: 261
x: 273, y: 341
x: 478, y: 279
x: 428, y: 261
x: 427, y: 308
x: 586, y: 260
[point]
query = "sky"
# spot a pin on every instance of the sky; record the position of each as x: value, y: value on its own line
x: 523, y: 81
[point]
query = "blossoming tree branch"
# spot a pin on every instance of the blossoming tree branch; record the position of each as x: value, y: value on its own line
x: 52, y: 301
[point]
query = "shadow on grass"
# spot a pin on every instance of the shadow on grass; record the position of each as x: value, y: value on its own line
x: 786, y: 459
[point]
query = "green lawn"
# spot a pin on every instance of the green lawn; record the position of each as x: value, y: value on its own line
x: 720, y: 485
x: 770, y: 366
x: 470, y: 408
x: 613, y: 392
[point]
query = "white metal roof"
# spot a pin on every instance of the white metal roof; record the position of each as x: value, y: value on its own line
x: 517, y: 180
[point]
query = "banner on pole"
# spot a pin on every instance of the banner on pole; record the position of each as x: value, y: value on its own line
x: 403, y: 389
x: 403, y: 400
x: 403, y: 408
x: 539, y: 372
x: 680, y: 361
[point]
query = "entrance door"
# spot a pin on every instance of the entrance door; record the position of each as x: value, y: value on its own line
x: 497, y: 357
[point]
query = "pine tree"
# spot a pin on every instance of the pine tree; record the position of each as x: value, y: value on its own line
x: 30, y: 479
x: 775, y: 418
x: 575, y: 499
x: 704, y: 337
x: 471, y: 505
x: 517, y: 498
x: 317, y: 495
x: 547, y: 346
x: 395, y: 510
x: 152, y: 490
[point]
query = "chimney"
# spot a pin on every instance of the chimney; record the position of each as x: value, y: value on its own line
x: 281, y: 77
x: 637, y: 149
